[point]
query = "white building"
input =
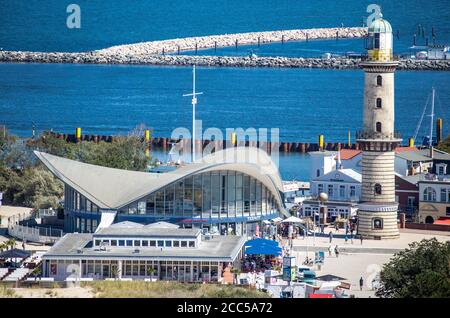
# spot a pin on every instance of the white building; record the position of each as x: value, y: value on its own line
x: 343, y: 186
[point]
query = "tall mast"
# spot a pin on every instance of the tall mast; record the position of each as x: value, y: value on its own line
x: 430, y: 142
x: 194, y: 102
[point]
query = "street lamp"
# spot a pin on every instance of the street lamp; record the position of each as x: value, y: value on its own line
x: 323, y: 197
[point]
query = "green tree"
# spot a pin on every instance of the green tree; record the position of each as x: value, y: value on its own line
x: 445, y: 145
x: 421, y: 271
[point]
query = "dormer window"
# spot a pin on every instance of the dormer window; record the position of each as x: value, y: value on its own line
x: 441, y: 169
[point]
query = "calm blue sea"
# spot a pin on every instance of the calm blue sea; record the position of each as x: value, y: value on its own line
x: 115, y: 99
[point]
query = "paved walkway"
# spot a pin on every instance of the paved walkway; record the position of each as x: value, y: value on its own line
x: 351, y: 264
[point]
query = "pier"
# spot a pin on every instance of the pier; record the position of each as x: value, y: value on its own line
x: 164, y: 143
x: 169, y: 52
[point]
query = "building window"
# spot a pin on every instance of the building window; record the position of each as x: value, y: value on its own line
x: 330, y: 190
x: 378, y: 127
x: 352, y: 191
x: 379, y: 80
x: 121, y: 243
x: 342, y: 191
x: 429, y: 219
x: 176, y: 243
x: 129, y: 243
x: 152, y: 243
x: 447, y: 210
x: 440, y: 169
x: 183, y: 243
x: 377, y: 189
x: 429, y: 194
x: 168, y: 243
x: 319, y: 188
x: 191, y: 243
x: 144, y: 243
x: 443, y: 195
x: 378, y: 223
x: 379, y: 103
x: 137, y: 243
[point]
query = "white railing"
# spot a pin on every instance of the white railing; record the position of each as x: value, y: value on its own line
x: 34, y: 234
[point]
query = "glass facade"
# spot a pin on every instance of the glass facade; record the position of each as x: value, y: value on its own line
x: 217, y: 194
x: 228, y: 198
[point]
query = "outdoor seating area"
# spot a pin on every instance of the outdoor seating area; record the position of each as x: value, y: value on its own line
x: 261, y: 255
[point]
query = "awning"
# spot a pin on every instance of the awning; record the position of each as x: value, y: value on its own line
x: 330, y: 278
x: 442, y: 221
x: 263, y: 250
x: 293, y: 219
x: 277, y: 219
x: 261, y: 241
x: 262, y: 246
x: 14, y: 253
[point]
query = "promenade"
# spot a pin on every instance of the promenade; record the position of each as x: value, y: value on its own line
x: 358, y: 260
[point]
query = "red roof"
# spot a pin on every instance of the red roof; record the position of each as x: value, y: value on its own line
x: 402, y: 149
x: 347, y: 154
x: 443, y: 221
x: 321, y: 296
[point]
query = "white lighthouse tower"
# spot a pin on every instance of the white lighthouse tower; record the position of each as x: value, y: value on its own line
x: 377, y: 215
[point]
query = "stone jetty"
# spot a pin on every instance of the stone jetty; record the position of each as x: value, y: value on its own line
x: 157, y: 52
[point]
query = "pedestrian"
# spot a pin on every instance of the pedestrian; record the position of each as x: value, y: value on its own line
x: 23, y: 245
x: 330, y: 250
x: 336, y: 226
x: 330, y: 235
x: 336, y: 251
x: 361, y: 283
x: 361, y: 238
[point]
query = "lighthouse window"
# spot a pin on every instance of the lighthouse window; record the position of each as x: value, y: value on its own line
x: 378, y: 223
x: 379, y: 80
x: 378, y: 127
x: 378, y: 102
x: 378, y: 189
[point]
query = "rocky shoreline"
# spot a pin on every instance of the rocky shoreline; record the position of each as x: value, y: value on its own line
x: 212, y: 61
x: 154, y: 53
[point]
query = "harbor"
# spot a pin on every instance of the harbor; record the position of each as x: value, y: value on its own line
x: 244, y: 150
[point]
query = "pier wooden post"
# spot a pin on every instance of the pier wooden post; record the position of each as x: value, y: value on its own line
x: 178, y: 50
x: 259, y: 41
x: 196, y: 48
x: 236, y: 43
x: 215, y: 46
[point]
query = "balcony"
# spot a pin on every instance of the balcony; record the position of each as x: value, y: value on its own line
x: 377, y: 136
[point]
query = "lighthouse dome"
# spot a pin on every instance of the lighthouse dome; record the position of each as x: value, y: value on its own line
x: 380, y: 26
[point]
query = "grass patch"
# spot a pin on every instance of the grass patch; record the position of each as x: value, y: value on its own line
x: 142, y: 289
x: 6, y: 292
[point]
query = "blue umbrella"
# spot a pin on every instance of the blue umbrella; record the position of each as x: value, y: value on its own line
x: 260, y: 241
x: 263, y: 250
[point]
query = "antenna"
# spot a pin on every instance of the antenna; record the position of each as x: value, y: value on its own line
x: 194, y: 102
x: 430, y: 142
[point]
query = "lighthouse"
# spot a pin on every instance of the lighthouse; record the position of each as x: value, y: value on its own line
x: 377, y: 213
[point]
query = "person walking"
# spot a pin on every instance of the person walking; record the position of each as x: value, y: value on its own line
x: 330, y: 235
x: 361, y: 283
x: 336, y: 251
x: 361, y: 238
x: 330, y: 250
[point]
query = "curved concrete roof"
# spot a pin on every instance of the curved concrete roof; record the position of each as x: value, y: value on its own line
x: 111, y: 188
